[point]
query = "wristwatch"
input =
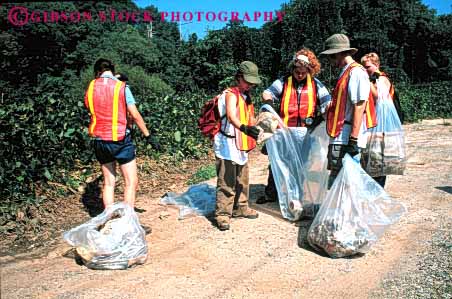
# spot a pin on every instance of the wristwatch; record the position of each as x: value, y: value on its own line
x: 308, y: 121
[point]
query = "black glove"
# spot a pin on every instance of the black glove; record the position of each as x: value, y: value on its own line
x: 154, y: 143
x: 122, y: 77
x: 264, y: 150
x: 373, y: 78
x: 352, y: 147
x: 251, y: 131
x: 316, y: 121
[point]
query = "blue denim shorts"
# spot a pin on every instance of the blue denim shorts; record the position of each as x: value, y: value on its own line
x: 122, y: 151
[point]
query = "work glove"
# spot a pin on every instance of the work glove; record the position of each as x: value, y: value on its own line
x: 352, y: 147
x: 316, y: 121
x: 154, y: 143
x: 122, y: 77
x: 264, y: 150
x: 373, y: 78
x: 251, y: 131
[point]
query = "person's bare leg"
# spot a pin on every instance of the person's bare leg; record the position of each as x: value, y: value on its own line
x: 108, y: 192
x: 129, y: 171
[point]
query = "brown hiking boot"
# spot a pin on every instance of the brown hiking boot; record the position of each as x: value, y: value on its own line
x: 245, y: 212
x: 223, y: 223
x: 223, y: 226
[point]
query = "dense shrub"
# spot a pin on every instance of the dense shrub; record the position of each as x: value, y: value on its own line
x: 430, y: 100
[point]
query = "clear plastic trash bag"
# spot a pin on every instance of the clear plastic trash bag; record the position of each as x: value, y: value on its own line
x: 298, y: 160
x: 112, y: 240
x: 354, y: 215
x: 199, y: 199
x: 315, y: 162
x: 385, y: 153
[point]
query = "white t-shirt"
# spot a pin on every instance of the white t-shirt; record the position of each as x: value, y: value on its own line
x: 225, y: 147
x: 358, y: 90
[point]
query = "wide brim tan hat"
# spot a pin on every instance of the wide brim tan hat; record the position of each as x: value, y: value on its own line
x: 338, y: 43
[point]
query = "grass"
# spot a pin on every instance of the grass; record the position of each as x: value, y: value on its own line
x: 204, y: 173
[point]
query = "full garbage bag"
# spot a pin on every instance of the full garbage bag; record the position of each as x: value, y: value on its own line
x: 298, y: 159
x: 199, y: 199
x: 385, y: 153
x: 355, y: 213
x: 112, y: 240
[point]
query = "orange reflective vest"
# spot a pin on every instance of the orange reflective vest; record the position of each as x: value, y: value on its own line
x: 293, y: 109
x: 105, y: 99
x: 336, y: 112
x: 245, y: 113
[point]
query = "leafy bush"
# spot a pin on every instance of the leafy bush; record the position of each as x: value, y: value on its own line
x: 425, y: 101
x: 42, y: 136
x: 173, y: 118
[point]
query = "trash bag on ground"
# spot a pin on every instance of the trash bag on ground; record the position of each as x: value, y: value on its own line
x: 298, y: 161
x: 355, y: 213
x: 385, y: 153
x: 113, y: 240
x: 199, y: 199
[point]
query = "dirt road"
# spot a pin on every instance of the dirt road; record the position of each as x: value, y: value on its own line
x: 263, y: 258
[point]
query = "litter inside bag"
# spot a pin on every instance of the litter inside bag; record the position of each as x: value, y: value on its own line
x: 112, y: 240
x: 298, y: 161
x: 199, y: 199
x: 268, y: 123
x: 354, y: 215
x: 385, y: 153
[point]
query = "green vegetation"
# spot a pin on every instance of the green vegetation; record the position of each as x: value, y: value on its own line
x: 45, y: 69
x: 204, y: 173
x: 428, y: 100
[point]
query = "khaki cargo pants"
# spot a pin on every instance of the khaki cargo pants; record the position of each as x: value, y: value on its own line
x: 232, y: 188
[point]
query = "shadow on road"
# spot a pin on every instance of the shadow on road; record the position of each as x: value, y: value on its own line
x: 92, y: 198
x: 447, y: 189
x: 73, y: 255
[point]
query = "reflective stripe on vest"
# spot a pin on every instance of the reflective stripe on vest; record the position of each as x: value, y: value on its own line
x: 336, y: 112
x: 245, y: 113
x: 114, y: 123
x: 290, y: 110
x: 90, y: 92
x: 105, y: 99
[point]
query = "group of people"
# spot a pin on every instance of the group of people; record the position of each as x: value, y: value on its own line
x: 299, y: 97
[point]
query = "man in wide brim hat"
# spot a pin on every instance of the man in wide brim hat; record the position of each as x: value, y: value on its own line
x: 350, y: 114
x: 338, y: 43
